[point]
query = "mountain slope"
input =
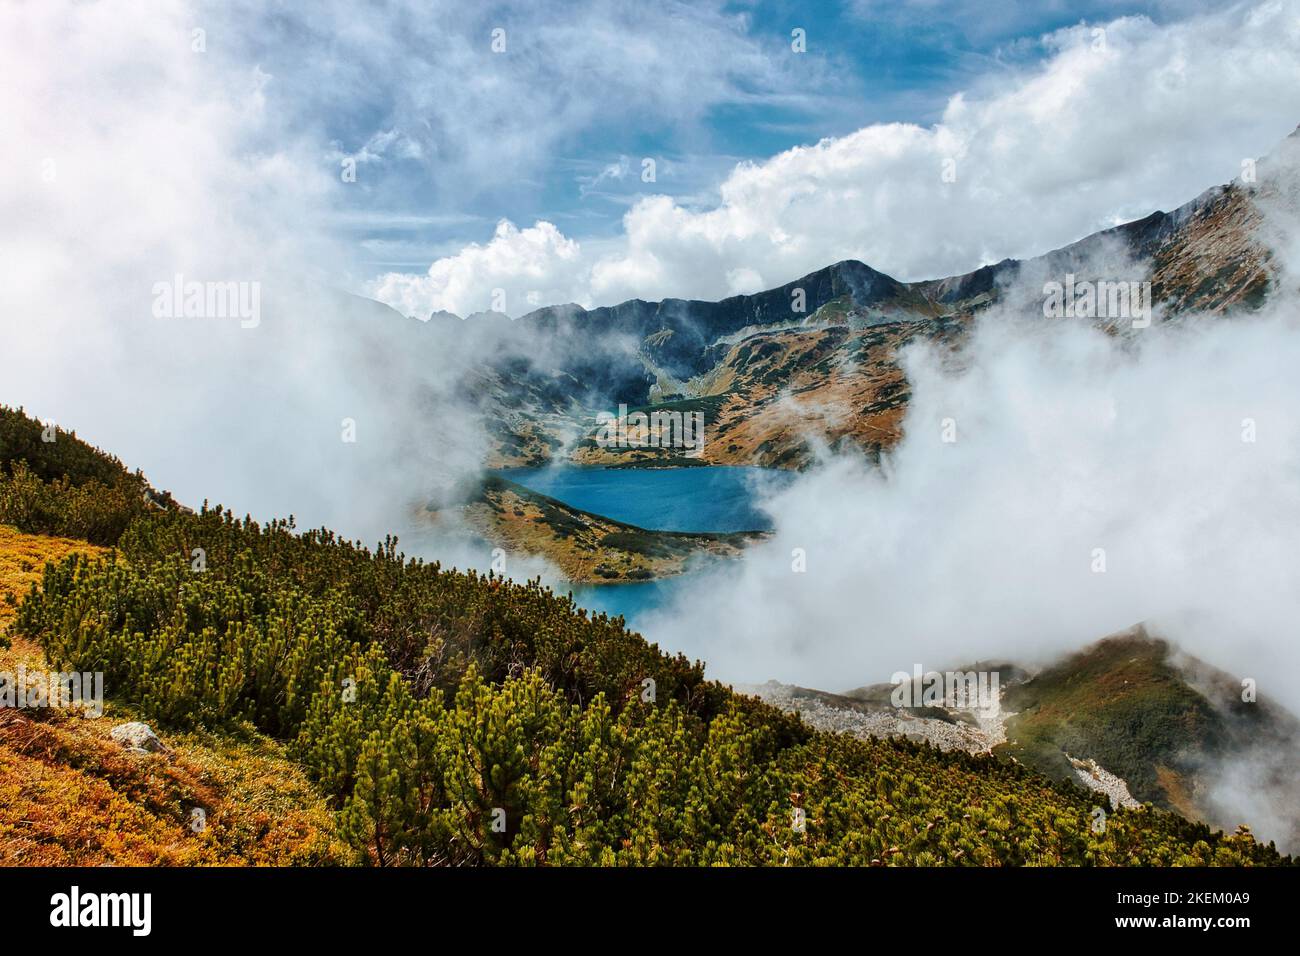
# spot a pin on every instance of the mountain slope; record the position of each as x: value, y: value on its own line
x: 395, y: 685
x: 71, y: 796
x: 54, y: 483
x: 588, y: 548
x: 1172, y: 727
x: 788, y: 363
x: 1165, y: 727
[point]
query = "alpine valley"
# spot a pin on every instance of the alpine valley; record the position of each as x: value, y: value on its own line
x: 327, y: 703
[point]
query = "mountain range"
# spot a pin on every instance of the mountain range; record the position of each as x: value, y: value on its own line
x: 774, y: 385
x: 817, y: 356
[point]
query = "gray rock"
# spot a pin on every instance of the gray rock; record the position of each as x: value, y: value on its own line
x: 990, y: 729
x: 138, y: 738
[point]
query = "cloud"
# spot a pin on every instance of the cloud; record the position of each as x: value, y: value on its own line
x: 1054, y: 484
x: 469, y: 108
x: 1111, y: 126
x: 140, y: 154
x: 616, y: 172
x: 1067, y: 441
x: 183, y: 140
x: 526, y: 265
x: 971, y: 20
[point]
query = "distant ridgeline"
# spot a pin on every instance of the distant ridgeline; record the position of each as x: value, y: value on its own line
x: 459, y: 719
x: 769, y: 363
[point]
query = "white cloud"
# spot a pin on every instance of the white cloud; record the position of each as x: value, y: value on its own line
x: 1067, y: 441
x: 616, y: 172
x: 533, y: 265
x: 1107, y: 129
x: 417, y: 82
x: 163, y: 160
x: 223, y: 164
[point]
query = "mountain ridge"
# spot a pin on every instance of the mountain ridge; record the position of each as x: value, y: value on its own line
x: 1208, y: 255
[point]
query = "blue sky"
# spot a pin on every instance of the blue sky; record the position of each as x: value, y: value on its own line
x: 866, y: 62
x: 519, y: 172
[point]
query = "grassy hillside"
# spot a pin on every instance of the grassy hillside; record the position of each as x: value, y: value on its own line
x: 456, y: 719
x: 588, y: 547
x: 1164, y: 722
x: 1121, y: 703
x: 71, y: 796
x: 52, y: 482
x: 51, y: 453
x: 22, y: 562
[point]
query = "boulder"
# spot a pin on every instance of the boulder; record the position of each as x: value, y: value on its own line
x: 138, y: 738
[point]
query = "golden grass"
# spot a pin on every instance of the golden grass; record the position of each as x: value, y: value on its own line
x: 22, y: 561
x: 71, y: 796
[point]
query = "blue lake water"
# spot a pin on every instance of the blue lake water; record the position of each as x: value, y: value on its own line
x: 718, y: 499
x: 633, y: 601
